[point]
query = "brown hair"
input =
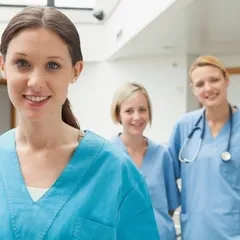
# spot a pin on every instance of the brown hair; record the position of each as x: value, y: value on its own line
x: 208, y: 60
x: 123, y: 93
x: 49, y: 18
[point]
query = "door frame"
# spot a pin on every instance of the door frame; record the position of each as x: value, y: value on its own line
x: 13, y: 110
x: 233, y: 70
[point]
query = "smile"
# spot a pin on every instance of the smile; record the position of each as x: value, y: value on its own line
x: 36, y: 99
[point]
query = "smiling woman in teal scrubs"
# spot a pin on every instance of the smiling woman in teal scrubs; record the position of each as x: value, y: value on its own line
x: 131, y: 107
x: 57, y: 181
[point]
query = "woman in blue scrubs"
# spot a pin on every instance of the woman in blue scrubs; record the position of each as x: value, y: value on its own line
x: 131, y: 107
x: 57, y: 181
x: 205, y: 149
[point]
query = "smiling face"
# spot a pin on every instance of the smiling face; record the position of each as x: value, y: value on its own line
x: 134, y: 114
x: 209, y: 86
x: 38, y: 69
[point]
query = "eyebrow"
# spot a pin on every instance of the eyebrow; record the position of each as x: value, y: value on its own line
x: 49, y: 57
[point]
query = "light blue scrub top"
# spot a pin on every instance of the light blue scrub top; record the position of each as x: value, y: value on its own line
x: 210, y: 194
x: 157, y: 168
x: 100, y: 195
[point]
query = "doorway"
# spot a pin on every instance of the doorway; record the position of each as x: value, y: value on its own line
x: 7, y: 110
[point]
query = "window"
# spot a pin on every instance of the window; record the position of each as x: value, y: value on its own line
x: 89, y: 4
x: 23, y: 2
x: 75, y: 3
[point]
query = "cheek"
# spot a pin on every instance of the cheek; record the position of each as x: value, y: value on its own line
x: 224, y: 87
x: 199, y: 94
x: 15, y: 86
x: 125, y: 119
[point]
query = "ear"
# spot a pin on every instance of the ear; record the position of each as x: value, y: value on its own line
x: 227, y: 81
x: 77, y: 69
x: 193, y: 89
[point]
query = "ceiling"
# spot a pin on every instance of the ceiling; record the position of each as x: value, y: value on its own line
x: 200, y: 27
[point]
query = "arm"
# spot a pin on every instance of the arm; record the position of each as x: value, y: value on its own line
x: 173, y: 147
x: 135, y: 216
x: 172, y: 191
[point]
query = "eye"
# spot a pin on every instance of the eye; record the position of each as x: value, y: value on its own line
x: 22, y: 63
x: 53, y: 65
x: 198, y: 85
x: 128, y: 111
x: 214, y: 79
x: 143, y: 109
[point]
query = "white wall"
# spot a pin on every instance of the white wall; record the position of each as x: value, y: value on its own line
x: 108, y: 6
x: 233, y: 90
x: 93, y: 41
x: 91, y: 95
x: 234, y: 87
x: 191, y: 102
x: 130, y: 17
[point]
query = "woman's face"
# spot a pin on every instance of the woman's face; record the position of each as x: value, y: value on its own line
x: 134, y: 114
x: 209, y: 86
x: 38, y: 69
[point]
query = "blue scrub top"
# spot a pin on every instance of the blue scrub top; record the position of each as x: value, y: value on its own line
x: 100, y: 195
x: 157, y: 168
x: 210, y: 194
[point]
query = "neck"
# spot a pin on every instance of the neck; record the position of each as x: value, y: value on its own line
x: 133, y: 142
x: 43, y: 135
x: 218, y: 113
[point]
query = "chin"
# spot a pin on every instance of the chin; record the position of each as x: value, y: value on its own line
x: 214, y: 104
x: 33, y: 116
x: 136, y: 133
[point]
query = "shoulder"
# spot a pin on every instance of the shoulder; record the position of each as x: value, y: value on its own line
x: 7, y: 138
x: 160, y: 151
x: 115, y: 158
x: 190, y: 117
x: 186, y: 123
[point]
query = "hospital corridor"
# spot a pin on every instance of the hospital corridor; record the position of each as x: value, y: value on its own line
x: 119, y: 120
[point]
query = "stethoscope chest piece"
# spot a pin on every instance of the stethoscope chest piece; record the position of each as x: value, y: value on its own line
x: 226, y: 156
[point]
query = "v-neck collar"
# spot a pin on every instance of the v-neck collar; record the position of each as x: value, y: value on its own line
x: 147, y: 162
x: 21, y: 205
x: 225, y: 129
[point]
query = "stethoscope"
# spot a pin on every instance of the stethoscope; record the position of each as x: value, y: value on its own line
x: 225, y: 155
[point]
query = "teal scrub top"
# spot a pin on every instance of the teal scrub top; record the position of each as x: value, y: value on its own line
x: 210, y: 196
x: 100, y: 195
x: 158, y: 171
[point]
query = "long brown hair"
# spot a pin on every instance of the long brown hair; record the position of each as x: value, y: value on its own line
x: 52, y: 19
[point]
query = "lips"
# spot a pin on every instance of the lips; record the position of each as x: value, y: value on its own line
x: 36, y: 99
x: 212, y: 97
x: 137, y: 125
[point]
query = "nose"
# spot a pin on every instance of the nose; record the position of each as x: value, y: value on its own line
x: 136, y: 115
x: 36, y: 79
x: 208, y: 86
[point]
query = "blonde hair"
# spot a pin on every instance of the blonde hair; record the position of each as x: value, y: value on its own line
x: 123, y: 93
x: 208, y: 60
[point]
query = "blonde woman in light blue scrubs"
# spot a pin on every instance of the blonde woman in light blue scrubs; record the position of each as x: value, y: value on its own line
x: 58, y: 182
x: 131, y: 107
x: 205, y: 146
